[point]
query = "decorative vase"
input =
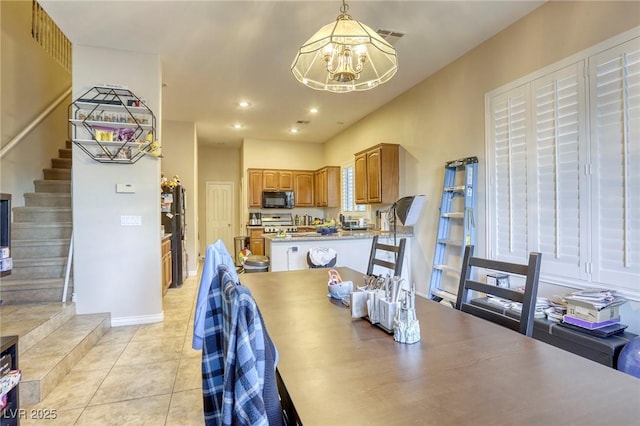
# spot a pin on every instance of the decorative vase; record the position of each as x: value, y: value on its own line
x: 629, y: 359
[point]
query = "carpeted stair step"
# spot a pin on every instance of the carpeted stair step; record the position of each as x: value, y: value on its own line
x: 29, y: 249
x: 42, y: 268
x: 65, y: 152
x: 41, y: 214
x: 57, y: 174
x: 52, y: 185
x: 40, y: 231
x: 47, y: 199
x: 18, y: 292
x: 61, y: 163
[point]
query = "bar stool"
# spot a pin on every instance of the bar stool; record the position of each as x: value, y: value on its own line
x: 321, y: 257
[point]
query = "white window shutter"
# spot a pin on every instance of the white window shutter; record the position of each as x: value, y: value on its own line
x: 557, y: 204
x: 615, y: 150
x: 508, y: 125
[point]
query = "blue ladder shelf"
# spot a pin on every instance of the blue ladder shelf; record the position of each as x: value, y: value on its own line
x: 456, y: 227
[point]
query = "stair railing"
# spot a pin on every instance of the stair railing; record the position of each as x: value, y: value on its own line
x: 39, y: 119
x: 68, y: 270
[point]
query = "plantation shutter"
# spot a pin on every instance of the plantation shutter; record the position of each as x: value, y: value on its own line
x: 559, y: 208
x: 615, y: 150
x: 508, y: 127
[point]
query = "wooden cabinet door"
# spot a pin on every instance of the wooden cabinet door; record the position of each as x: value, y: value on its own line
x: 285, y: 180
x: 321, y: 188
x: 270, y: 180
x: 256, y: 242
x: 303, y: 188
x: 166, y: 265
x: 255, y: 188
x: 360, y: 167
x: 333, y: 187
x: 374, y: 176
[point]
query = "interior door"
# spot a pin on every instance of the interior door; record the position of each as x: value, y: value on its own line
x: 219, y: 212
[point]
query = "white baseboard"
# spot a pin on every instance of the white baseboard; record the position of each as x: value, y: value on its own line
x: 137, y: 320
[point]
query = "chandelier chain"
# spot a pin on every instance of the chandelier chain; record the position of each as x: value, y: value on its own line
x: 345, y: 7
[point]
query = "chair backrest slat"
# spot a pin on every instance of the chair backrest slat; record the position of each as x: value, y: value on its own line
x: 398, y: 251
x: 504, y: 293
x: 531, y: 272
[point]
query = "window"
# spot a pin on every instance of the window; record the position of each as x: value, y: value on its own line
x: 564, y: 146
x: 348, y: 190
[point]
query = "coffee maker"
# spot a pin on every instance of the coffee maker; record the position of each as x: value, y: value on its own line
x: 255, y: 219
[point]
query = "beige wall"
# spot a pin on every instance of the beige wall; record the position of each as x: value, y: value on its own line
x: 218, y: 165
x: 117, y: 268
x: 442, y: 118
x: 270, y: 154
x: 29, y: 81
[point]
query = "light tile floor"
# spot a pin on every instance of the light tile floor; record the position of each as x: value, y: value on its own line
x: 135, y: 375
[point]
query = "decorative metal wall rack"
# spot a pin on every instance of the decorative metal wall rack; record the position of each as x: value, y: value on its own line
x: 112, y: 125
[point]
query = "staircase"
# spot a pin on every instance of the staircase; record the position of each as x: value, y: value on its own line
x: 40, y: 237
x: 52, y: 338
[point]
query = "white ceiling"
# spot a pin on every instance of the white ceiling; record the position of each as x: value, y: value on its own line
x: 216, y: 53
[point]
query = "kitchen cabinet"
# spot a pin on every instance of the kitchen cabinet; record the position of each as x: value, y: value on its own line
x: 303, y: 188
x: 327, y: 187
x: 256, y: 241
x: 277, y: 180
x: 166, y: 264
x: 377, y: 174
x: 255, y: 187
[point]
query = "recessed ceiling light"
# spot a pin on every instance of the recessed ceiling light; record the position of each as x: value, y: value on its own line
x: 238, y: 126
x: 243, y: 104
x: 313, y: 110
x: 294, y: 130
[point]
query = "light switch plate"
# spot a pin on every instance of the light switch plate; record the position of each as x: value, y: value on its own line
x: 125, y: 188
x: 130, y: 220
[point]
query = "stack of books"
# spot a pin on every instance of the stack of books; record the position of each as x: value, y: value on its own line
x: 593, y: 309
x: 556, y: 310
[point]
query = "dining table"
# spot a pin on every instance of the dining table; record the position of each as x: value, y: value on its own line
x: 339, y: 370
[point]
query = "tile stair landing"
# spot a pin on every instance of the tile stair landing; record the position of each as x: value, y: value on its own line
x: 52, y: 339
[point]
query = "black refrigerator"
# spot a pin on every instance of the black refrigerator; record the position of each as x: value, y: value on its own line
x: 173, y: 211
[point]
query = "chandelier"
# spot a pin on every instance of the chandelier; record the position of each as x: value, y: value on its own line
x: 345, y: 56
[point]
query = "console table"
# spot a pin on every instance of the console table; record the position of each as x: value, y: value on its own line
x: 602, y: 350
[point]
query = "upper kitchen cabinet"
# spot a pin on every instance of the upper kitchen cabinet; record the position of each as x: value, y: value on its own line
x: 303, y: 188
x: 277, y: 180
x: 377, y: 174
x: 327, y: 187
x: 255, y: 187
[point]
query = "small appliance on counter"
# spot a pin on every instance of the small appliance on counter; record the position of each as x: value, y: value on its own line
x: 255, y: 219
x: 352, y: 224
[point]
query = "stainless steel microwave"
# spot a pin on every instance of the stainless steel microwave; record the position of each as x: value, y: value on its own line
x: 277, y: 200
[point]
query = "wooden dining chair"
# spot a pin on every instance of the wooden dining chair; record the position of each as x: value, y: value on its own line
x: 530, y: 271
x: 397, y: 252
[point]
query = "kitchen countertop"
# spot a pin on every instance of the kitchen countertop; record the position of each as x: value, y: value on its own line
x: 340, y: 235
